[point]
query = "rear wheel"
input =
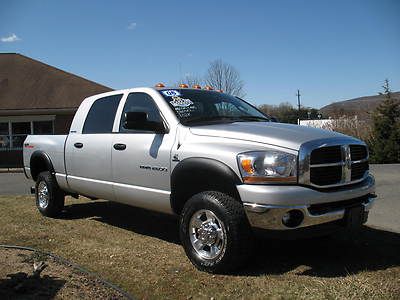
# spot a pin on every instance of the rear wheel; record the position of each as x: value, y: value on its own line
x: 49, y: 197
x: 215, y: 232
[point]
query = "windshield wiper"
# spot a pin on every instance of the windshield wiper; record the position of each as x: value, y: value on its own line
x: 211, y: 118
x: 253, y: 118
x: 227, y: 118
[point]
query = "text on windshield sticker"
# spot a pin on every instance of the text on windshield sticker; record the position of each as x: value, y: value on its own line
x: 171, y: 93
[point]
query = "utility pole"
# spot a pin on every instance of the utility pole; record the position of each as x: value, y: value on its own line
x: 298, y: 104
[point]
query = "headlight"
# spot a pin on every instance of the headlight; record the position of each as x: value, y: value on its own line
x: 268, y: 167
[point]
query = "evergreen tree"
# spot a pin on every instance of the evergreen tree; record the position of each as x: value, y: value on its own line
x: 385, y: 139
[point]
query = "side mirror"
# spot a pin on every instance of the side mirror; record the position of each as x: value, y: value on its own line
x: 133, y: 119
x: 138, y: 120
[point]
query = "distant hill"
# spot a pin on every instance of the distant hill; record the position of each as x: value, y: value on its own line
x: 361, y: 106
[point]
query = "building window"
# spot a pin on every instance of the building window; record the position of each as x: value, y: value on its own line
x: 4, y: 136
x: 43, y: 127
x: 19, y: 131
x: 13, y: 133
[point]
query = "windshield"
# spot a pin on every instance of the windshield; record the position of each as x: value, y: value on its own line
x: 199, y: 106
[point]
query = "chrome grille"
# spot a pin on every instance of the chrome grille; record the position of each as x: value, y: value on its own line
x: 358, y: 152
x: 358, y: 170
x: 325, y: 155
x: 326, y: 175
x: 333, y: 163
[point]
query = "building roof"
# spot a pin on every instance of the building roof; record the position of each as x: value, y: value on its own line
x: 28, y: 84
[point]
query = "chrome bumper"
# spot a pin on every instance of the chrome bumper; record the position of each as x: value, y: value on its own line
x: 270, y: 216
x: 266, y: 210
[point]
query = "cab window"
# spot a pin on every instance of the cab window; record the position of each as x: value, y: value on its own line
x: 100, y: 118
x: 140, y: 102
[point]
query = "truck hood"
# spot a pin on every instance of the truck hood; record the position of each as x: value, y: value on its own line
x: 278, y: 134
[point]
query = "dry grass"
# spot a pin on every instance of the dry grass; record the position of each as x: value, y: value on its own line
x: 140, y: 251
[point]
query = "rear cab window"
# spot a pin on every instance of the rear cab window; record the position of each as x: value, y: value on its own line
x: 100, y: 118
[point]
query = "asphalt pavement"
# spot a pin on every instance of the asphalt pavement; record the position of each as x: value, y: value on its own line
x: 14, y: 184
x: 385, y: 214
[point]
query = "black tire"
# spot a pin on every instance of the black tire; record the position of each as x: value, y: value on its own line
x: 239, y: 237
x: 55, y: 196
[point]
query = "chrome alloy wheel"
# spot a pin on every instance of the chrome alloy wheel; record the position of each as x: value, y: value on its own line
x: 43, y: 194
x: 207, y: 234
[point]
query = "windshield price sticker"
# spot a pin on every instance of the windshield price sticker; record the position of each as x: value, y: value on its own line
x: 171, y: 93
x: 180, y: 102
x: 184, y: 107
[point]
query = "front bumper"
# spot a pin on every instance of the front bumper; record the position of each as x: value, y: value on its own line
x: 266, y: 206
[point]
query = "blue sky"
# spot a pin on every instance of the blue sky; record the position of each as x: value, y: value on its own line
x: 330, y: 50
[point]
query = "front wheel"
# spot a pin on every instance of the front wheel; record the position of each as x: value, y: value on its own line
x: 214, y: 232
x: 49, y: 197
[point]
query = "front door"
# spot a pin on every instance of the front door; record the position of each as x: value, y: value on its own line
x: 141, y: 159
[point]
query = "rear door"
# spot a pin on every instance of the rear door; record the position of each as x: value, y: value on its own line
x: 141, y: 159
x: 88, y: 154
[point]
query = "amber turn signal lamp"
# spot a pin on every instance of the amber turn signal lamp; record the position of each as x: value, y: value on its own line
x: 247, y: 166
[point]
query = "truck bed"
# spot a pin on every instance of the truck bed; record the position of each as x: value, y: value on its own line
x: 52, y: 145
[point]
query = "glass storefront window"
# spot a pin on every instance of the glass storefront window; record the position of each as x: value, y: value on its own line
x: 13, y: 133
x: 18, y: 141
x: 19, y: 131
x: 4, y: 128
x: 20, y: 128
x: 4, y: 142
x: 42, y: 127
x: 4, y: 136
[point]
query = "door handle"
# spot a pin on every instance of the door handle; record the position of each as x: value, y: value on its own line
x: 119, y: 147
x: 78, y: 145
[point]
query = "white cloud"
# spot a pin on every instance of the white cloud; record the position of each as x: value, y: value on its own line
x: 132, y: 26
x: 10, y: 39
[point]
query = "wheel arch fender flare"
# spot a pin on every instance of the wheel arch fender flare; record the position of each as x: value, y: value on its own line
x: 197, y: 174
x: 40, y: 161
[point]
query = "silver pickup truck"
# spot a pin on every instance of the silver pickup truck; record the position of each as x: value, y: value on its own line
x: 212, y: 159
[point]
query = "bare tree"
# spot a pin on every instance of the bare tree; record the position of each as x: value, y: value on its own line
x: 191, y: 80
x: 223, y: 76
x: 350, y: 125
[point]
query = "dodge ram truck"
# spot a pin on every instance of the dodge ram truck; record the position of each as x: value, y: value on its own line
x: 210, y: 158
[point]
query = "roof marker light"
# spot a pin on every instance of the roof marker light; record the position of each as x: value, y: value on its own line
x: 183, y: 85
x: 208, y: 88
x: 160, y: 85
x: 197, y: 86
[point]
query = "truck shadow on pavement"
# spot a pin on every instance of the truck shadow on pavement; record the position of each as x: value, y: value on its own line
x: 339, y: 255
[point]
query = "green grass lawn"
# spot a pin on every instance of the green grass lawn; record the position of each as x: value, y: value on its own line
x: 140, y: 251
